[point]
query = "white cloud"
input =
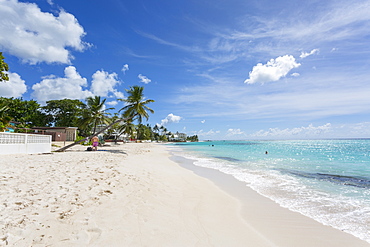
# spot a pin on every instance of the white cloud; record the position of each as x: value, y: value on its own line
x: 273, y: 70
x: 295, y: 74
x: 103, y: 83
x: 233, y: 132
x: 203, y: 121
x: 144, y: 79
x: 35, y: 36
x: 306, y: 54
x: 54, y: 88
x: 112, y: 103
x: 170, y: 119
x: 309, y: 131
x: 15, y: 87
x: 125, y: 68
x: 208, y: 133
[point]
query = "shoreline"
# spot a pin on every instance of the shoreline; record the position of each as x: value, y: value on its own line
x: 135, y: 195
x: 271, y: 219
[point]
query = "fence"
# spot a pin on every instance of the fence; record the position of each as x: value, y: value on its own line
x: 14, y: 143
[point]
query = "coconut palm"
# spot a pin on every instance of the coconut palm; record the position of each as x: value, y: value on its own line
x: 135, y: 109
x: 136, y: 104
x: 128, y: 128
x: 156, y: 128
x: 94, y: 113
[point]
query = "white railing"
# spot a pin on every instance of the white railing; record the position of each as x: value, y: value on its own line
x: 13, y: 143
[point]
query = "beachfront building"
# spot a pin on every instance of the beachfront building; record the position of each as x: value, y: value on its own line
x: 11, y: 127
x: 177, y: 137
x: 58, y: 133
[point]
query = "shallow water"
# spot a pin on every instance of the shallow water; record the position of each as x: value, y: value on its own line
x: 327, y: 180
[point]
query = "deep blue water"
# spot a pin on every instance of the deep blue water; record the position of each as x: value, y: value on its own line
x: 328, y: 180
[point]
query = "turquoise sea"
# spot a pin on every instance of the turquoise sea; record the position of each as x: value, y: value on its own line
x: 327, y: 180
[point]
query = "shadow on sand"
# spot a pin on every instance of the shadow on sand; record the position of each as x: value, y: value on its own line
x: 114, y: 151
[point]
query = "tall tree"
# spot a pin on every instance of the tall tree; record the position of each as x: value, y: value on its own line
x: 143, y: 132
x: 64, y: 112
x: 128, y: 128
x: 136, y: 105
x: 27, y: 112
x: 94, y: 113
x: 3, y: 69
x: 156, y: 128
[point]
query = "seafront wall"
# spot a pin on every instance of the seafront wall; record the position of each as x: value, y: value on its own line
x: 16, y: 143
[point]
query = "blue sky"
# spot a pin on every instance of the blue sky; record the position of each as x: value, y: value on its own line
x: 231, y: 69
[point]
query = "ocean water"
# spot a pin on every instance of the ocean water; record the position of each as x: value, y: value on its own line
x: 327, y: 180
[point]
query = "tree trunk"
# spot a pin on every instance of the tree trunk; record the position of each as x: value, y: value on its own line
x: 95, y: 134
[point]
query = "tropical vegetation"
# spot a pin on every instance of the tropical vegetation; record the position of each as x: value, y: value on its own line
x: 4, y: 117
x: 91, y: 118
x: 4, y: 68
x: 94, y: 113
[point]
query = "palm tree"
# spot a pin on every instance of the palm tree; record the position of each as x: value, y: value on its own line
x: 4, y: 118
x: 136, y: 104
x: 156, y: 128
x: 94, y: 114
x: 128, y: 128
x: 135, y: 108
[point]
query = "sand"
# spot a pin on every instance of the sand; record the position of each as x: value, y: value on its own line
x: 135, y: 195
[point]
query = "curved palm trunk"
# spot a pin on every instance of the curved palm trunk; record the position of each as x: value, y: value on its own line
x: 95, y: 134
x: 95, y: 128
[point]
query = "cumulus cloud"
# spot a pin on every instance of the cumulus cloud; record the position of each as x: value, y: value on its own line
x: 203, y: 121
x: 295, y: 74
x: 273, y: 70
x: 15, y: 87
x: 125, y: 68
x: 306, y: 54
x: 170, y: 119
x: 35, y: 36
x: 103, y: 83
x: 232, y: 132
x: 309, y: 131
x: 54, y: 88
x: 144, y: 79
x: 112, y: 103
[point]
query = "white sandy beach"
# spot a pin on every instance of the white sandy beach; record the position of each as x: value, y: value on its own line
x: 134, y: 195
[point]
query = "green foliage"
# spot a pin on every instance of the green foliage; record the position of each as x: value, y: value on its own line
x: 163, y: 138
x: 127, y: 128
x: 143, y: 132
x: 136, y: 104
x: 3, y: 68
x: 64, y: 113
x: 193, y: 138
x: 27, y: 112
x: 4, y: 117
x: 94, y: 114
x: 78, y: 138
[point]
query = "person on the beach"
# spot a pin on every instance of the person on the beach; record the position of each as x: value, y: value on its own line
x: 95, y: 143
